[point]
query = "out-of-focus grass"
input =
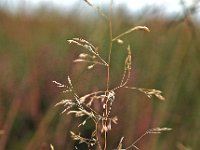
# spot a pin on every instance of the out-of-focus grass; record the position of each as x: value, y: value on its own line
x: 34, y: 52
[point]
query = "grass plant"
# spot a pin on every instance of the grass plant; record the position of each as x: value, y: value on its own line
x: 82, y: 106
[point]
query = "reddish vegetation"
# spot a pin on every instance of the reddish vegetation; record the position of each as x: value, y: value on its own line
x: 34, y: 52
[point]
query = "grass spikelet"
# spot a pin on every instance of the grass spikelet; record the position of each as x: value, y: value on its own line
x: 119, y: 147
x: 51, y: 147
x: 158, y: 130
x: 127, y: 68
x: 144, y: 28
x: 149, y: 92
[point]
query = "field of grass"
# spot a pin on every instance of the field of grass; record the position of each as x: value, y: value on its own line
x: 34, y: 52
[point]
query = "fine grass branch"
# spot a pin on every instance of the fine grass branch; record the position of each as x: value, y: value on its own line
x: 157, y: 130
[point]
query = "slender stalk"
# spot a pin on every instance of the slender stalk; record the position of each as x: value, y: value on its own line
x: 133, y: 144
x: 108, y: 74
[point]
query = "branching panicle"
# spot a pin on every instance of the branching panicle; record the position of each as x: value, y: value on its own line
x: 83, y: 106
x: 94, y: 59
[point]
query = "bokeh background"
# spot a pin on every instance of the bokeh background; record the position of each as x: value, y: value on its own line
x: 34, y: 52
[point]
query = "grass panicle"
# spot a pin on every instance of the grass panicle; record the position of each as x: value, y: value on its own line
x: 82, y: 106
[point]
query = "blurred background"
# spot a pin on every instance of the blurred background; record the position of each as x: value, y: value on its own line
x: 34, y: 52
